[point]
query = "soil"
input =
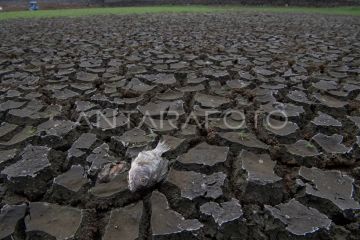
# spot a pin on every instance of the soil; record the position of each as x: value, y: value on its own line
x: 80, y: 96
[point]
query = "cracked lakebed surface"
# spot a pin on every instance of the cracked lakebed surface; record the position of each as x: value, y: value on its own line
x: 253, y: 175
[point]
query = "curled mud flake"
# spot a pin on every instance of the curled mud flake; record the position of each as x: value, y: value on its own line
x: 138, y: 87
x: 340, y: 93
x: 154, y: 109
x: 83, y: 106
x: 331, y: 144
x: 338, y: 75
x: 85, y: 141
x: 332, y: 186
x: 289, y: 73
x: 273, y: 86
x: 325, y: 85
x: 283, y: 109
x: 348, y: 87
x: 280, y: 128
x: 110, y: 121
x: 65, y: 72
x: 56, y: 128
x: 174, y: 143
x: 160, y: 126
x: 205, y: 154
x: 330, y: 102
x: 223, y: 213
x: 264, y: 95
x: 99, y: 158
x: 124, y: 222
x: 6, y: 129
x: 176, y: 108
x: 245, y: 74
x: 170, y: 95
x: 237, y: 84
x: 211, y: 101
x: 134, y: 138
x: 264, y: 72
x: 10, y: 104
x: 259, y: 167
x: 99, y: 98
x: 131, y: 102
x: 299, y: 219
x: 200, y: 112
x: 216, y: 74
x: 10, y: 215
x: 160, y: 78
x: 34, y: 113
x: 189, y: 89
x: 255, y: 179
x: 72, y: 180
x: 163, y: 108
x: 189, y: 131
x: 91, y: 63
x: 303, y: 148
x: 65, y: 94
x: 86, y: 77
x: 132, y: 142
x: 82, y: 145
x: 233, y: 120
x: 30, y: 174
x: 21, y: 137
x: 236, y: 115
x: 133, y: 69
x: 34, y: 159
x: 166, y: 222
x: 193, y: 185
x: 7, y: 155
x: 298, y: 96
x: 246, y: 139
x: 60, y: 222
x: 355, y: 120
x: 179, y: 65
x: 326, y: 120
x: 55, y: 133
x: 193, y: 79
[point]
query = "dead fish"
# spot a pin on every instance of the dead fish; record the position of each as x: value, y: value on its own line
x: 148, y: 168
x: 110, y: 171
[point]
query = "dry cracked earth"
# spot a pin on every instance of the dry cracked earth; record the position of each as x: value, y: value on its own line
x: 300, y: 181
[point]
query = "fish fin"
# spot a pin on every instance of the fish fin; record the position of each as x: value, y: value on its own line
x: 161, y: 148
x: 163, y: 171
x: 130, y: 182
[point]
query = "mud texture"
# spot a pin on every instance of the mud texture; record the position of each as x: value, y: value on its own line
x: 262, y: 117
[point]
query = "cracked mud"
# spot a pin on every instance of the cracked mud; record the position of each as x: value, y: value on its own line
x: 284, y: 165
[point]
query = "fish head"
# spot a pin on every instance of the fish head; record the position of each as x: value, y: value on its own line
x: 139, y: 179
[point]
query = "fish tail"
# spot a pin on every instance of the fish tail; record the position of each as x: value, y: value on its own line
x: 161, y: 148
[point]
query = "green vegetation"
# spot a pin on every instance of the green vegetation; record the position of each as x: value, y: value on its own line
x: 243, y: 135
x: 310, y: 145
x: 355, y: 11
